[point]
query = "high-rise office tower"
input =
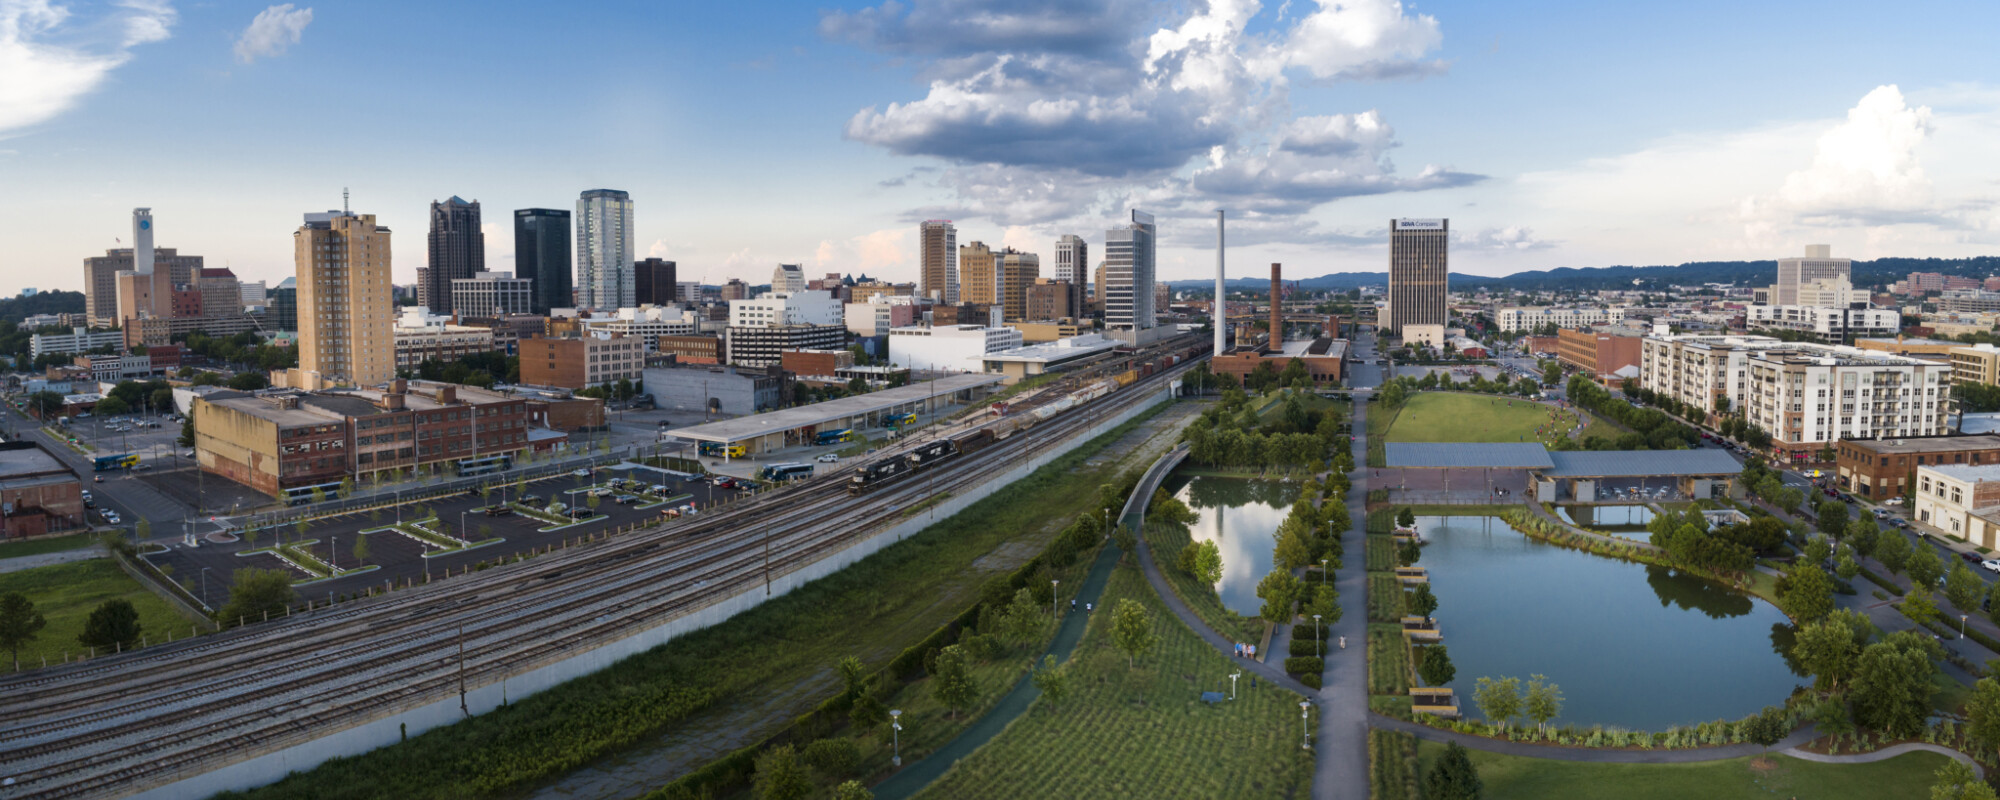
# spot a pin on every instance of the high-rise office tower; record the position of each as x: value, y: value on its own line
x: 654, y: 281
x: 346, y: 306
x: 541, y: 255
x: 1817, y: 265
x: 978, y: 274
x: 604, y: 250
x: 100, y: 273
x: 788, y: 278
x: 937, y: 270
x: 1128, y: 274
x: 1073, y: 268
x: 457, y: 251
x: 1418, y: 270
x: 1018, y: 271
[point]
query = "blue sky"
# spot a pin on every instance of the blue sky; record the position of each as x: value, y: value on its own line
x: 1551, y: 133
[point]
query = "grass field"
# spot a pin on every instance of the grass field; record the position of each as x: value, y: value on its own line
x: 1512, y: 777
x: 1385, y: 597
x: 53, y: 544
x: 1143, y: 732
x: 1445, y: 417
x: 1165, y: 541
x: 65, y: 594
x: 1388, y: 660
x: 766, y: 665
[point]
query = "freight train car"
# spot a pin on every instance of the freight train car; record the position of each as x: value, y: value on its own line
x: 973, y: 442
x: 878, y: 474
x: 931, y: 454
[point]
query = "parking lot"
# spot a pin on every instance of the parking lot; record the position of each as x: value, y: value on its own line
x: 399, y: 557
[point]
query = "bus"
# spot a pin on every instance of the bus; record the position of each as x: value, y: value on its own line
x: 733, y: 450
x: 786, y: 472
x: 301, y: 495
x: 834, y: 437
x: 483, y: 465
x: 120, y: 461
x: 895, y: 421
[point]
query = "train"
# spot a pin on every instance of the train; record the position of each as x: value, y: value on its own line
x: 894, y: 468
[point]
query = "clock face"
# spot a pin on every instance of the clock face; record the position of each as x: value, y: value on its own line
x: 145, y: 224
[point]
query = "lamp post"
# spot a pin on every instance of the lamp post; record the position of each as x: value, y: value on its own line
x: 896, y: 722
x: 1322, y: 568
x: 1961, y: 626
x: 333, y: 553
x: 204, y: 588
x: 1316, y: 639
x: 1232, y: 683
x: 1305, y: 735
x: 1054, y: 599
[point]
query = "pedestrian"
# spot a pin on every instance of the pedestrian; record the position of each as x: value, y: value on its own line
x: 1253, y: 652
x: 1089, y: 607
x: 1343, y: 643
x: 1072, y: 604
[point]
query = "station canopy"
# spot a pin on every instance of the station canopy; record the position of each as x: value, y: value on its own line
x: 833, y: 411
x: 1562, y: 464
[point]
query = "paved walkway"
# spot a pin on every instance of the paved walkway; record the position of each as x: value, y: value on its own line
x: 1599, y: 755
x: 1342, y: 771
x: 45, y: 559
x: 1887, y: 753
x: 1272, y: 672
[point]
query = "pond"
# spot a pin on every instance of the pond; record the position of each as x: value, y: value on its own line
x: 1631, y: 645
x: 1241, y: 516
x: 1617, y: 519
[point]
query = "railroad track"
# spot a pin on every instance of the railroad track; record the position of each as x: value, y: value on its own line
x: 126, y: 723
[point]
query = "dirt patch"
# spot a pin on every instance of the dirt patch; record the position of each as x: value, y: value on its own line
x: 1008, y: 556
x: 1763, y: 765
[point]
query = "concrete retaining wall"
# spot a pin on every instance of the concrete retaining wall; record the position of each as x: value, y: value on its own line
x: 388, y: 730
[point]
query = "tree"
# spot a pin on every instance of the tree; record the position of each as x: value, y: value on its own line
x: 1809, y: 593
x: 113, y: 622
x: 249, y: 381
x: 1207, y: 562
x: 1498, y: 700
x: 779, y: 776
x: 1893, y: 551
x: 951, y: 680
x: 1406, y: 518
x: 1295, y: 547
x: 1435, y: 667
x: 1963, y: 588
x: 1918, y: 606
x: 852, y: 790
x: 1982, y: 713
x: 1023, y: 616
x: 1126, y: 541
x: 1827, y: 651
x: 360, y: 550
x: 1544, y: 701
x: 1132, y: 629
x: 1818, y: 549
x: 1925, y: 568
x: 1832, y: 517
x: 1052, y: 680
x: 1277, y: 590
x: 1422, y: 601
x: 1767, y: 728
x: 1453, y: 777
x: 1892, y: 684
x: 1956, y: 781
x: 1862, y: 534
x: 19, y: 622
x: 254, y: 593
x: 111, y: 407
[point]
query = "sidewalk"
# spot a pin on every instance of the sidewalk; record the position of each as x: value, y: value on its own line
x: 46, y: 559
x: 1342, y: 771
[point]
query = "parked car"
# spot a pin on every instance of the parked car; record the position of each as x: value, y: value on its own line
x: 580, y: 472
x: 828, y: 458
x: 658, y: 488
x: 584, y: 513
x: 626, y: 499
x: 533, y: 500
x: 1990, y: 565
x: 1970, y: 558
x: 499, y: 511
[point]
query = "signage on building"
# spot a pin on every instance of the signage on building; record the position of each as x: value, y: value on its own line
x: 1407, y: 224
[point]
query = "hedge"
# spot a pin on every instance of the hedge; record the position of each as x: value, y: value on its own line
x: 1299, y: 665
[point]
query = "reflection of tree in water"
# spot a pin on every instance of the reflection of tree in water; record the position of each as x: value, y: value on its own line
x: 1206, y: 492
x: 1783, y: 636
x: 1696, y: 594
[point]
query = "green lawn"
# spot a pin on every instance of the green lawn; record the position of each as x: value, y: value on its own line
x: 1143, y: 732
x: 53, y: 544
x: 1509, y: 777
x: 1444, y: 417
x: 65, y: 594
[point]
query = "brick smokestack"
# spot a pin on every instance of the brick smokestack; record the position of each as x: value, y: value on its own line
x: 1277, y: 308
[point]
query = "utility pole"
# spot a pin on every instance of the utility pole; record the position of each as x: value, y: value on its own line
x: 461, y: 672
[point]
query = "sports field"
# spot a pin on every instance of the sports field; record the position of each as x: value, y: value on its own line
x: 1447, y: 417
x: 1778, y: 776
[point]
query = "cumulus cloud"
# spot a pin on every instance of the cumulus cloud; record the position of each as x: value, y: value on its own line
x: 1037, y: 128
x: 1510, y: 239
x: 881, y: 250
x: 1867, y: 166
x: 275, y: 29
x: 49, y: 59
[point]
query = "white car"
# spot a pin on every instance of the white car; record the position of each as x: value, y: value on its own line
x: 1991, y: 565
x: 829, y: 458
x: 580, y: 472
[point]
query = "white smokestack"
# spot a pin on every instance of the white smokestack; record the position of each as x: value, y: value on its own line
x: 1221, y: 310
x: 142, y: 241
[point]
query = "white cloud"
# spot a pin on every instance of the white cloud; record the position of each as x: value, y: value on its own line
x: 658, y: 249
x: 1513, y: 238
x: 275, y: 29
x: 1363, y: 39
x: 1865, y: 168
x: 499, y: 238
x: 41, y: 78
x: 882, y: 250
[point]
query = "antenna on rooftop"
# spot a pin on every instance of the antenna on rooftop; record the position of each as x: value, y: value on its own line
x: 343, y: 201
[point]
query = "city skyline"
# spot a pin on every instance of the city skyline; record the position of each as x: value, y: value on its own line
x: 881, y: 116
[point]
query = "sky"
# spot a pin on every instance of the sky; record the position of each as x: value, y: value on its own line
x: 1551, y: 134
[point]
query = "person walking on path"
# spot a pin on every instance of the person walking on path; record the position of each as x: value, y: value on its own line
x: 1343, y: 643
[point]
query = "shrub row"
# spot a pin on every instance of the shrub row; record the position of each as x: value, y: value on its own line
x: 1307, y: 630
x: 1299, y: 665
x: 1392, y: 765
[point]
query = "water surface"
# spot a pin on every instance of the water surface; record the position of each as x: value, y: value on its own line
x: 1241, y: 516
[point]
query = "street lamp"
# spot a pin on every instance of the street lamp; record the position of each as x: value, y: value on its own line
x: 1961, y: 626
x: 204, y: 587
x: 1054, y: 599
x: 896, y: 722
x: 1316, y: 640
x: 1305, y: 737
x: 1322, y: 567
x: 1232, y: 683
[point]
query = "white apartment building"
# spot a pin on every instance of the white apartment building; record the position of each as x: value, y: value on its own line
x: 949, y: 348
x: 1809, y: 396
x: 1699, y: 369
x: 883, y: 312
x: 1528, y: 318
x: 760, y: 330
x: 1960, y: 499
x: 648, y: 323
x: 786, y: 308
x: 79, y: 341
x: 1833, y: 324
x: 491, y: 294
x: 421, y: 336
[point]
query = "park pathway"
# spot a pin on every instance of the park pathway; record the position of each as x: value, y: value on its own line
x: 45, y: 559
x: 1887, y: 753
x: 1342, y: 773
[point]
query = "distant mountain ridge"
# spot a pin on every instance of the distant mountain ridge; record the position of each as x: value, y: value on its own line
x: 1742, y: 273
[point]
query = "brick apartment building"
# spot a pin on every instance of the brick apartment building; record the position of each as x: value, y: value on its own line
x: 1879, y: 469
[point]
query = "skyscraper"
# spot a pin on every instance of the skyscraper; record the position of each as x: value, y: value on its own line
x: 1128, y: 274
x: 654, y: 281
x: 100, y: 273
x: 1817, y: 265
x: 1018, y: 271
x: 788, y: 278
x: 346, y: 310
x: 1418, y: 270
x: 604, y: 261
x: 144, y: 291
x: 937, y: 272
x: 978, y: 274
x: 541, y: 255
x: 457, y: 250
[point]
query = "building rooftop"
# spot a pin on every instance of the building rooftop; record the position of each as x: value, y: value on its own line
x: 742, y: 428
x: 1927, y: 444
x: 1968, y: 472
x: 26, y: 459
x: 1502, y: 455
x: 1892, y: 343
x: 1056, y: 352
x: 1634, y: 463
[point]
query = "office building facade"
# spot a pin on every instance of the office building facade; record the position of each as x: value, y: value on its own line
x: 604, y: 257
x: 1419, y: 270
x: 1072, y: 259
x: 491, y: 294
x: 655, y: 282
x: 1017, y: 271
x: 346, y: 309
x: 457, y: 251
x: 542, y: 257
x: 937, y: 261
x: 1818, y: 264
x: 979, y: 279
x: 1128, y: 274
